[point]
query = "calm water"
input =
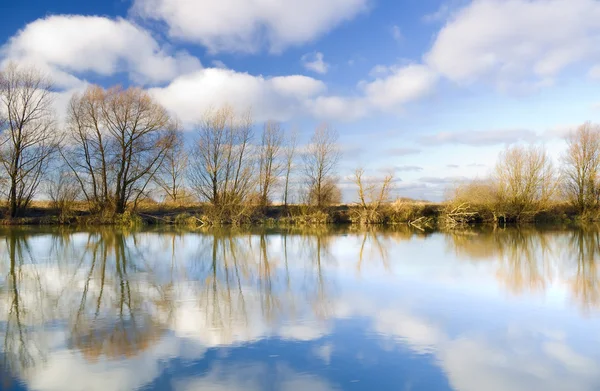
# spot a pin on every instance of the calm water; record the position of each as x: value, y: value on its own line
x: 300, y: 310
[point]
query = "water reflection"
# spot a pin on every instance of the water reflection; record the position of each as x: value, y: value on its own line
x: 529, y: 260
x: 300, y: 309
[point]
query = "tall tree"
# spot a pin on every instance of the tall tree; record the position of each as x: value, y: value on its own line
x: 320, y: 162
x: 221, y: 166
x: 29, y: 137
x: 581, y: 167
x: 270, y: 166
x: 118, y: 140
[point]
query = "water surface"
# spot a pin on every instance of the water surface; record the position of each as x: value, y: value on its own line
x: 296, y: 310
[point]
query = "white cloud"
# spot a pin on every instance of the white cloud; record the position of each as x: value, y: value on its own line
x: 248, y: 25
x: 338, y: 107
x: 314, y: 62
x: 67, y: 45
x: 403, y: 85
x: 219, y: 64
x: 286, y: 97
x: 517, y: 41
x: 280, y: 98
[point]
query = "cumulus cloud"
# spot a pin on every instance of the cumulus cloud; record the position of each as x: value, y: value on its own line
x: 314, y: 62
x: 517, y: 41
x: 286, y: 97
x: 71, y: 48
x: 249, y: 25
x: 480, y: 138
x: 402, y: 85
x: 69, y: 45
x: 279, y: 98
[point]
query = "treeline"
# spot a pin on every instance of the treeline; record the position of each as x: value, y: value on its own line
x: 119, y: 148
x: 526, y: 185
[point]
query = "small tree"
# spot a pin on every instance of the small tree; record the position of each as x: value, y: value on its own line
x: 320, y: 162
x: 269, y: 163
x: 526, y: 181
x: 170, y: 176
x: 290, y: 154
x: 581, y: 167
x: 29, y: 138
x: 221, y: 168
x: 372, y: 194
x: 63, y: 190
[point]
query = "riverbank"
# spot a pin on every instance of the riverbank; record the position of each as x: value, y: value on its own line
x: 423, y: 215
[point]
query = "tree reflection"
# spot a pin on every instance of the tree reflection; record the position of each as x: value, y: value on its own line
x: 528, y: 260
x: 111, y: 319
x: 116, y: 292
x: 585, y: 283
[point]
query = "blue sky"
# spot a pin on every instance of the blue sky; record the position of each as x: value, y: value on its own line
x: 429, y: 89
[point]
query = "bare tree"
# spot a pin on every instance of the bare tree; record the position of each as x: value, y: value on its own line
x: 581, y: 166
x: 269, y: 163
x: 30, y: 138
x: 170, y: 176
x: 526, y: 181
x: 119, y: 138
x: 89, y: 147
x: 372, y: 193
x: 221, y: 169
x: 290, y: 154
x: 63, y: 189
x: 320, y: 161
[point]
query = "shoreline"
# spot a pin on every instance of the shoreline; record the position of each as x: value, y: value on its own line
x: 420, y: 215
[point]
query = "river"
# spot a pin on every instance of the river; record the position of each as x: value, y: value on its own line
x: 300, y: 309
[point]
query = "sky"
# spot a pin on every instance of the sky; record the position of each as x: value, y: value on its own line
x: 429, y: 90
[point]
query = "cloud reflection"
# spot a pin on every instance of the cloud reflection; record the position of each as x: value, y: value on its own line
x: 108, y: 310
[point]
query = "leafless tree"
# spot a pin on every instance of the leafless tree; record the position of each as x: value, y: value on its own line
x: 372, y: 193
x: 170, y: 176
x: 221, y: 166
x: 581, y: 167
x: 63, y: 190
x: 269, y: 160
x: 526, y: 181
x: 290, y: 155
x: 320, y: 162
x: 30, y: 137
x: 118, y: 140
x: 88, y: 152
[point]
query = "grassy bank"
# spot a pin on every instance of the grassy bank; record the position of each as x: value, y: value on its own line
x: 421, y: 215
